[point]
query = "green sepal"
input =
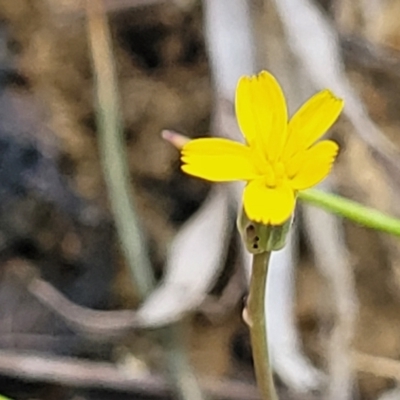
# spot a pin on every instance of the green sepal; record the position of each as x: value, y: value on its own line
x: 259, y: 238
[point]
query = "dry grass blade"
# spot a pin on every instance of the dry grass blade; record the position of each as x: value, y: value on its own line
x: 92, y: 375
x: 327, y: 241
x: 76, y: 8
x: 316, y: 44
x: 196, y: 257
x: 230, y: 43
x: 391, y: 394
x: 121, y: 5
x: 288, y: 359
x: 378, y: 366
x: 217, y: 308
x: 362, y: 54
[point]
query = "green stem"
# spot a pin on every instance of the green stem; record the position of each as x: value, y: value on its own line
x: 258, y: 326
x: 116, y: 171
x: 352, y: 210
x: 113, y: 154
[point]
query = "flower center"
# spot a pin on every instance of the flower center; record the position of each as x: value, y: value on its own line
x: 274, y: 174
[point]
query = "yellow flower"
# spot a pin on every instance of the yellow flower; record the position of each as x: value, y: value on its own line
x: 280, y: 157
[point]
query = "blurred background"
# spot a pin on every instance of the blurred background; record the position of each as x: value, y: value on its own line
x: 334, y: 299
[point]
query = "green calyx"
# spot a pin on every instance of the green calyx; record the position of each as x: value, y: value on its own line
x: 259, y: 238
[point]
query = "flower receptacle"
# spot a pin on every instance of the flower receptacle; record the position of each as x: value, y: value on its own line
x: 259, y: 238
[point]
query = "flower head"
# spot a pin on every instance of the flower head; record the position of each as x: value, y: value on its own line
x: 280, y: 156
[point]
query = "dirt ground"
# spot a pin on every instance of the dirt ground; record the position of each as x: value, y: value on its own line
x: 165, y: 82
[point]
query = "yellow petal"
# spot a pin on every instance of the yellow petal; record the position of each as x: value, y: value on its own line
x: 317, y: 164
x: 262, y: 114
x: 312, y: 121
x: 271, y: 206
x: 218, y: 160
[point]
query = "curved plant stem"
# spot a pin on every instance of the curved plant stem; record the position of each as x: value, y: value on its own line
x: 116, y: 171
x: 112, y: 149
x: 258, y: 326
x: 352, y: 210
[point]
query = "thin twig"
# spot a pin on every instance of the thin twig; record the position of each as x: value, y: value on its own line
x: 76, y: 9
x: 77, y: 373
x: 378, y: 366
x: 360, y: 53
x: 102, y: 325
x: 122, y: 5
